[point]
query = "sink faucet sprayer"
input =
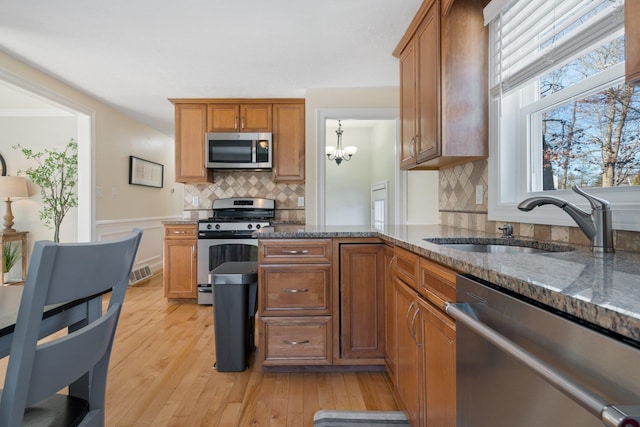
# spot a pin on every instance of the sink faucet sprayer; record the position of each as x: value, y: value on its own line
x: 596, y: 225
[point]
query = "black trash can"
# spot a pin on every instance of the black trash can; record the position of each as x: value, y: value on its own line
x: 235, y: 290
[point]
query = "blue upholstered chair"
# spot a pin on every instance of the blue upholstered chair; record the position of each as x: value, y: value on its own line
x: 36, y: 373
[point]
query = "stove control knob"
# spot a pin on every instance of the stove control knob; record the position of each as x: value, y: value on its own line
x: 250, y: 226
x: 257, y: 226
x: 208, y: 226
x: 217, y: 226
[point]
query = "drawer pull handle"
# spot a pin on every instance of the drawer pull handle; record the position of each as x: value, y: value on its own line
x: 297, y: 342
x: 295, y: 291
x: 302, y: 252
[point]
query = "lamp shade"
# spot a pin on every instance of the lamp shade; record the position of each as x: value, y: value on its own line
x: 14, y: 187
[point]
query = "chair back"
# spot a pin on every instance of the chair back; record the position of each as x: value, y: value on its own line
x: 59, y: 273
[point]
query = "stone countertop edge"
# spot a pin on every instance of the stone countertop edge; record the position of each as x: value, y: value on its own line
x: 603, y: 290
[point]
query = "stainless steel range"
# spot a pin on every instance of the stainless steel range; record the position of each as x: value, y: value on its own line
x: 226, y: 236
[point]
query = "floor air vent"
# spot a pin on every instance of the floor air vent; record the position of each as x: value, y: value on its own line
x: 139, y: 274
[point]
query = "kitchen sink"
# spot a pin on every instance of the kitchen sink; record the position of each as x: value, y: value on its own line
x: 499, y: 245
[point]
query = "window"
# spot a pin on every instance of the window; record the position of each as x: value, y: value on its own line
x: 560, y: 112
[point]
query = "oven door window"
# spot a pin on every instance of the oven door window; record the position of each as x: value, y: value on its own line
x: 231, y: 252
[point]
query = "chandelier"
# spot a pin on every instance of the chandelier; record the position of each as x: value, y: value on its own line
x: 338, y: 153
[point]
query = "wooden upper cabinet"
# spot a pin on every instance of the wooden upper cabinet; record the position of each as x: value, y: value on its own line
x: 288, y: 142
x: 223, y: 118
x: 190, y: 126
x: 632, y: 41
x: 443, y: 66
x: 428, y: 85
x: 239, y: 117
x: 255, y: 117
x: 408, y: 110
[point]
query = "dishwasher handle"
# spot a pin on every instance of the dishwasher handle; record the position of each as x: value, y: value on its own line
x: 610, y: 415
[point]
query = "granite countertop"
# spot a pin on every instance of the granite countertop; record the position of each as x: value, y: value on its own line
x: 603, y: 290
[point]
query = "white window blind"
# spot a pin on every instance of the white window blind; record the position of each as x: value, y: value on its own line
x: 531, y: 37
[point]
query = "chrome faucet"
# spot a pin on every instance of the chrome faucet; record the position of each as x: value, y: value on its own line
x: 596, y: 225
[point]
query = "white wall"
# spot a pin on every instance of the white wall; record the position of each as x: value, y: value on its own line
x: 422, y: 197
x: 115, y: 137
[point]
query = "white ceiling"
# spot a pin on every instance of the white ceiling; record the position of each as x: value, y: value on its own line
x: 135, y: 54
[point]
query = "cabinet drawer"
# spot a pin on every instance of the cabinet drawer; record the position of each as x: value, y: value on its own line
x: 180, y: 231
x: 296, y: 340
x: 437, y: 283
x: 297, y: 289
x: 295, y: 251
x: 407, y: 264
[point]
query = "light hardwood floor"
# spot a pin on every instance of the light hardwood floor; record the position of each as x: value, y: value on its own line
x: 161, y: 374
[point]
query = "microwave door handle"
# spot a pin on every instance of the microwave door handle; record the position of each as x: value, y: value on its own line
x: 254, y: 151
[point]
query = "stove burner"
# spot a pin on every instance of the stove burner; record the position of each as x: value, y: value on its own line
x: 237, y: 217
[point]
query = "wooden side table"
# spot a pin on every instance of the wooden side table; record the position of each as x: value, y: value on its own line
x: 16, y: 236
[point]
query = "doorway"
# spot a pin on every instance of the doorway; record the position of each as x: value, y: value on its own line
x: 26, y: 101
x: 345, y: 190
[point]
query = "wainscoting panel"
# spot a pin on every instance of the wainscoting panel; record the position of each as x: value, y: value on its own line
x: 150, y: 250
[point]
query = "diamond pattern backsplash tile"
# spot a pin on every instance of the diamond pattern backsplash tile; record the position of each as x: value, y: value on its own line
x: 248, y: 184
x: 457, y: 189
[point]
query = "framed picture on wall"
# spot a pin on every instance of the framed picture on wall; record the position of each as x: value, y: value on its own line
x: 144, y: 172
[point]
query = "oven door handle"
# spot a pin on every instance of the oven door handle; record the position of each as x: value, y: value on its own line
x: 610, y: 415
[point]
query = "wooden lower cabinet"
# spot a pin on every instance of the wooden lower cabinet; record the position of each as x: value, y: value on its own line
x: 390, y: 349
x: 425, y: 343
x: 438, y: 346
x: 180, y: 261
x: 362, y: 301
x: 294, y: 302
x: 408, y: 373
x: 301, y: 340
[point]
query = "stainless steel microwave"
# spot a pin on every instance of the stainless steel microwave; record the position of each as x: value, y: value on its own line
x: 238, y: 150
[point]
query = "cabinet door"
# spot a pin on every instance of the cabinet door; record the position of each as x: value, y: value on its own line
x: 288, y: 143
x: 427, y: 41
x: 408, y: 107
x: 255, y: 117
x: 389, y: 314
x: 190, y: 125
x: 439, y: 362
x: 362, y: 301
x: 180, y: 268
x: 223, y: 118
x: 408, y: 372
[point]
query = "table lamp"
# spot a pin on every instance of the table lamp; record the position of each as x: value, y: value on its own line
x: 12, y: 187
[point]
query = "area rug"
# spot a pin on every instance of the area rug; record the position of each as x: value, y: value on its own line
x: 326, y: 418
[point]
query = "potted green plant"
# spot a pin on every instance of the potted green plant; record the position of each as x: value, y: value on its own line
x: 56, y: 174
x: 11, y: 255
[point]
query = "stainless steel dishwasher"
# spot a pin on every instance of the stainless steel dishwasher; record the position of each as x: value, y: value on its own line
x: 523, y: 365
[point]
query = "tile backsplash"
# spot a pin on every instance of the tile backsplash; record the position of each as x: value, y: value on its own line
x: 245, y: 184
x: 457, y: 206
